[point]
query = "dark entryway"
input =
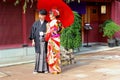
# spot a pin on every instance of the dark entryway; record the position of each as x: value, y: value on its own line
x: 94, y: 17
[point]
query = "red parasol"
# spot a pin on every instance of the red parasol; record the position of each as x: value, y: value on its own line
x: 66, y: 14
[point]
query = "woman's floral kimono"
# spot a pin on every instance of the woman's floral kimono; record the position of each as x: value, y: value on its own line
x: 53, y: 48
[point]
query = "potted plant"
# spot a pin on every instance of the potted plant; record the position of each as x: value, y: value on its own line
x: 71, y: 39
x: 71, y: 36
x: 117, y: 38
x: 109, y: 29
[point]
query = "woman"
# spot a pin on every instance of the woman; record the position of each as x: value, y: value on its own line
x: 53, y: 37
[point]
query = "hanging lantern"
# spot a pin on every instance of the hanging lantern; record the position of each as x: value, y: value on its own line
x: 78, y: 1
x: 4, y: 0
x: 103, y: 9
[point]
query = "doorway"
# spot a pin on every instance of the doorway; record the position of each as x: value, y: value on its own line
x: 94, y: 17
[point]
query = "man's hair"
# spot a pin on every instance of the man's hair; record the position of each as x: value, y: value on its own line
x: 43, y: 12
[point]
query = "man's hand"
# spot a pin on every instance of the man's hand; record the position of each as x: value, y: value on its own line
x: 33, y: 43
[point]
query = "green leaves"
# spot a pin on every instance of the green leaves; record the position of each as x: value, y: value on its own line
x: 24, y: 4
x: 71, y: 36
x: 110, y: 28
x: 16, y: 2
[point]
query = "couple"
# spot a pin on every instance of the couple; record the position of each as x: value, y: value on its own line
x: 46, y: 38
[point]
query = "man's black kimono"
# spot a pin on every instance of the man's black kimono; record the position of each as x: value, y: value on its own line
x: 40, y: 46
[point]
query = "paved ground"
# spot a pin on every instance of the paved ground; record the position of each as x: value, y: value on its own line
x: 104, y: 65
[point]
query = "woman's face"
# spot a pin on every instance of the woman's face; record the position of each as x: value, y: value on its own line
x: 52, y: 17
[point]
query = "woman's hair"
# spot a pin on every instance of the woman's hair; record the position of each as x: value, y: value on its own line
x: 55, y: 12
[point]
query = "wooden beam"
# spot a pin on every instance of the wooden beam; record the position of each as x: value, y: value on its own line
x: 93, y: 0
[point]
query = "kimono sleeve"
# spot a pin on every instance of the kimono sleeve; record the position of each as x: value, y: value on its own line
x: 32, y: 33
x: 60, y: 27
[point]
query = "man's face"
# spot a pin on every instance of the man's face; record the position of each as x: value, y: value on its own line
x: 42, y: 17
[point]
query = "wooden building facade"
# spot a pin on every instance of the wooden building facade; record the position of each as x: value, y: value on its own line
x: 15, y: 25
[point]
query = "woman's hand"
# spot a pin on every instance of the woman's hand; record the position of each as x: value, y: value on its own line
x: 48, y: 24
x: 48, y: 27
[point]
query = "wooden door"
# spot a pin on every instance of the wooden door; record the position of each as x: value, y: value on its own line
x: 92, y: 17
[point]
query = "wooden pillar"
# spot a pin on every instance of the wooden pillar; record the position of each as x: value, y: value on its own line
x: 83, y: 24
x: 24, y: 28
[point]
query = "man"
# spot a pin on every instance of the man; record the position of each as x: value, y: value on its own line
x: 37, y: 37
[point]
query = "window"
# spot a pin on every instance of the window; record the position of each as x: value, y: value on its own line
x: 103, y: 9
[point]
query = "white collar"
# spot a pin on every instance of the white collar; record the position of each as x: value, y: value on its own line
x: 41, y: 21
x: 52, y: 23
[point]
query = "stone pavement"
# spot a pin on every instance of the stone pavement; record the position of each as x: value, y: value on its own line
x: 104, y: 65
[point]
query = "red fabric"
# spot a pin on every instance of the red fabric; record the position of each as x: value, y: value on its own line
x: 66, y: 14
x: 56, y: 42
x: 47, y: 36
